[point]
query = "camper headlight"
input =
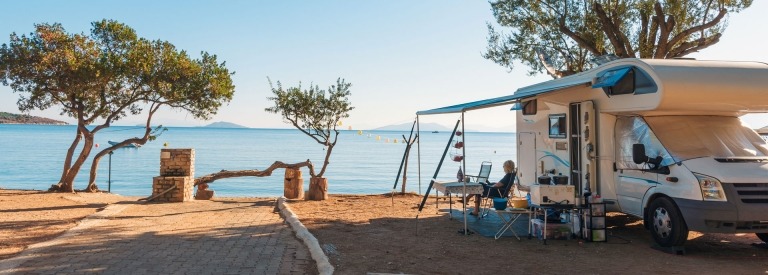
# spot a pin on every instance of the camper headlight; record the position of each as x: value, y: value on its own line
x: 711, y: 188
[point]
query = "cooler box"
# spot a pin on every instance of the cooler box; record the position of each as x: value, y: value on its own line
x: 555, y: 194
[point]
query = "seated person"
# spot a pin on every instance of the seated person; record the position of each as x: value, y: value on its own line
x: 496, y: 190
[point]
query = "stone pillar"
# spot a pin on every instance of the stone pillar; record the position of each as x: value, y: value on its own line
x: 177, y: 163
x: 293, y: 187
x: 318, y: 189
x: 177, y: 169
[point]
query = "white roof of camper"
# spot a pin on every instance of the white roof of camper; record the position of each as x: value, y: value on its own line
x: 732, y: 86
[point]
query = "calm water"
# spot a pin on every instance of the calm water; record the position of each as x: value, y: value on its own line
x: 31, y: 157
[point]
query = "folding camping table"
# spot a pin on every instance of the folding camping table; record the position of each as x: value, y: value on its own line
x: 464, y: 188
x: 509, y: 216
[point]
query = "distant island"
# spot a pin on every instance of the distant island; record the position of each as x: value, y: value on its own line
x: 223, y: 124
x: 8, y: 118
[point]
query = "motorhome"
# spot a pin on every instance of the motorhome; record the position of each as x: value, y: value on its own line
x: 658, y: 139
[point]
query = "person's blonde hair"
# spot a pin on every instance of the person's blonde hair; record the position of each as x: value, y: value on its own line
x: 509, y: 166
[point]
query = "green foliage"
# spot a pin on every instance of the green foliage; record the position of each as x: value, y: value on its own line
x: 315, y: 112
x: 107, y: 75
x: 563, y: 36
x: 110, y: 73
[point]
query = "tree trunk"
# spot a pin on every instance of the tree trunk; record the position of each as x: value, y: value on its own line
x: 326, y: 161
x: 68, y: 183
x: 293, y: 187
x: 67, y: 164
x: 318, y: 189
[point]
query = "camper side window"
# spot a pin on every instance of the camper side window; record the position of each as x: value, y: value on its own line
x: 634, y: 130
x: 557, y: 126
x: 529, y: 107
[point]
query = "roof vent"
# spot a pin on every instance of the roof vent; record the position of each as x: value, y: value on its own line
x: 600, y: 60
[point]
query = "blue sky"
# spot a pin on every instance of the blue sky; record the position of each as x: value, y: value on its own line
x: 400, y: 56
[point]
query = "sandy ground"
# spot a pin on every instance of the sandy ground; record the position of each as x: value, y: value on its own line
x: 28, y: 217
x: 380, y: 234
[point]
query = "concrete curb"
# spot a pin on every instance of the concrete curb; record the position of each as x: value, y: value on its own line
x: 323, y: 265
x: 7, y: 266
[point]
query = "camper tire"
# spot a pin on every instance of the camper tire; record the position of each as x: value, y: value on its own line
x: 667, y: 225
x: 762, y: 236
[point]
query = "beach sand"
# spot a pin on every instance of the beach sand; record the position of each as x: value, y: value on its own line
x: 380, y: 234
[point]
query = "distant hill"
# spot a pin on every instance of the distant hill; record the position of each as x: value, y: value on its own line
x: 223, y: 124
x: 407, y: 127
x: 8, y: 118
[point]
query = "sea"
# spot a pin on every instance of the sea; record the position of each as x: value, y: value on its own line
x: 362, y: 162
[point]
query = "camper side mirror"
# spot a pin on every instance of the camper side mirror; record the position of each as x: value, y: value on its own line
x: 639, y: 156
x: 638, y: 153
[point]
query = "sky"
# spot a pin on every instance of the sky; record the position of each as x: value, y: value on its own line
x: 400, y: 56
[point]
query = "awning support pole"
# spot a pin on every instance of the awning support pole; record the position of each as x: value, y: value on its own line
x: 418, y: 150
x: 432, y: 182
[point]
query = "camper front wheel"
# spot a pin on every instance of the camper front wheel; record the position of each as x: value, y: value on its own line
x: 667, y: 225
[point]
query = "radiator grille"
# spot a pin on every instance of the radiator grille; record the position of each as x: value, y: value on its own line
x: 752, y: 192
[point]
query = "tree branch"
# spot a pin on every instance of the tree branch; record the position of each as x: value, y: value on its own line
x: 693, y: 46
x: 666, y: 29
x: 610, y: 30
x: 682, y: 35
x: 223, y: 174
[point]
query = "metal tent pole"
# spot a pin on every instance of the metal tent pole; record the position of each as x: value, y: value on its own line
x: 464, y: 167
x: 418, y: 151
x: 432, y: 182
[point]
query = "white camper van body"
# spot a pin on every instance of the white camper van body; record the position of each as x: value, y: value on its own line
x: 710, y: 172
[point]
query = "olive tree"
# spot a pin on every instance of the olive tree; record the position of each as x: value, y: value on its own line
x: 315, y: 112
x: 563, y: 37
x: 103, y: 77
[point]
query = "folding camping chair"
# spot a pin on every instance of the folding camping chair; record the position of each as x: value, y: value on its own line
x: 482, y: 175
x: 502, y: 193
x: 485, y: 172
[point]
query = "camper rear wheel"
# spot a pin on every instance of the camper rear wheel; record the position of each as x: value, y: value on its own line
x: 667, y: 225
x: 763, y: 236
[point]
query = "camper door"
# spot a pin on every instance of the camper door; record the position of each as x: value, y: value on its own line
x: 583, y: 147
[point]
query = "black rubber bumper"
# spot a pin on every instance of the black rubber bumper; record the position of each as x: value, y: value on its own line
x: 723, y: 217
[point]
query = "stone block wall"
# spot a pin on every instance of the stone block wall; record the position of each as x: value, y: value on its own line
x: 177, y: 168
x: 182, y: 193
x: 177, y: 163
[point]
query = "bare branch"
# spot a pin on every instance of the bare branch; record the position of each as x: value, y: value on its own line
x: 666, y: 28
x: 610, y: 30
x: 223, y: 174
x: 579, y: 40
x: 684, y: 34
x: 693, y: 46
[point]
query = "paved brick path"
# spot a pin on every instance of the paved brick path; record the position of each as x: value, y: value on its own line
x: 239, y: 236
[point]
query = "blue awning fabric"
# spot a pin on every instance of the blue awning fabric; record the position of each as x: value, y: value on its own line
x: 474, y: 105
x: 518, y: 96
x: 610, y: 78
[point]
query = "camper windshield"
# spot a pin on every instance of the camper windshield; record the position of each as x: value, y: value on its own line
x: 688, y: 137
